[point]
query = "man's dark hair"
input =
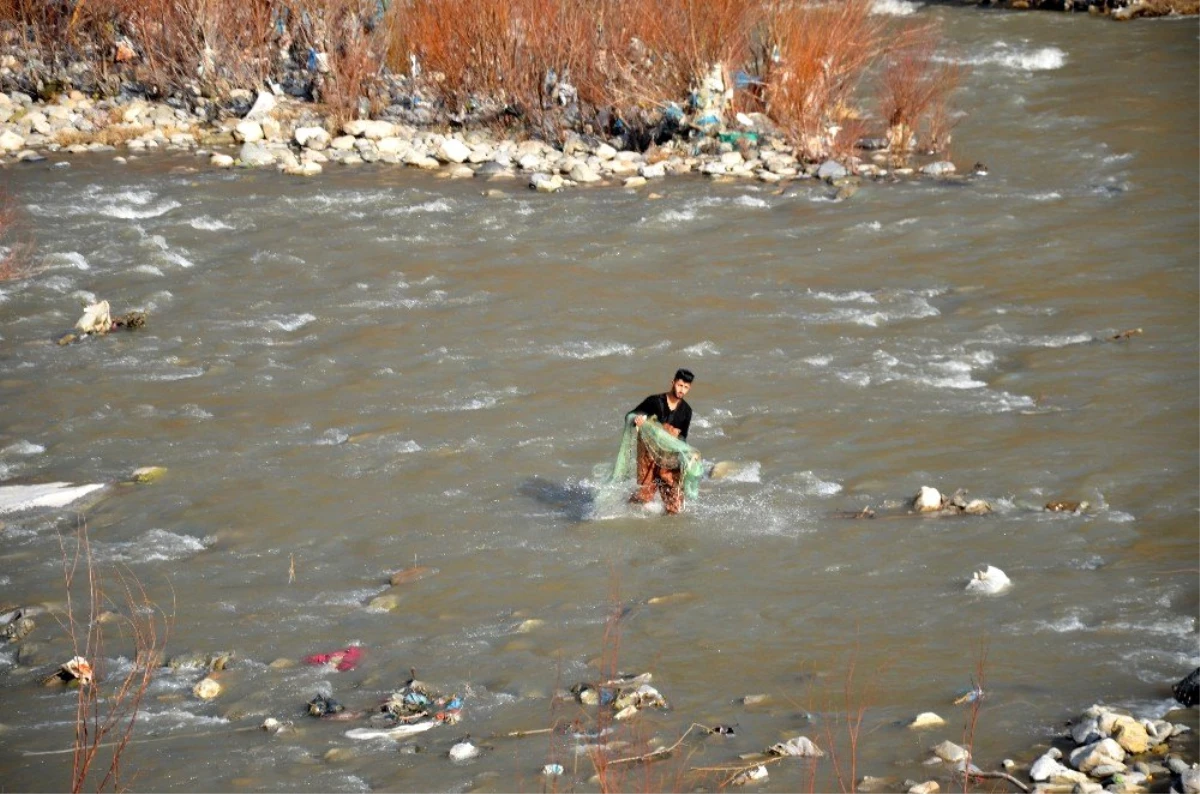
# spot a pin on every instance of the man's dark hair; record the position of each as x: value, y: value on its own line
x: 684, y: 375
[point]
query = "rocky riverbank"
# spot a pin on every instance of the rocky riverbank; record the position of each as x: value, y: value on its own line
x: 278, y: 131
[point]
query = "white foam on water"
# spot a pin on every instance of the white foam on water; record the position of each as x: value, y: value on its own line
x: 149, y: 270
x: 817, y: 361
x: 870, y: 226
x: 674, y: 216
x: 1183, y: 626
x: 815, y: 486
x: 126, y: 212
x: 59, y: 284
x: 289, y: 322
x: 173, y: 719
x: 207, y: 224
x: 170, y: 254
x: 860, y: 379
x: 586, y: 350
x: 332, y: 436
x: 1019, y: 58
x: 1059, y: 340
x: 751, y: 201
x: 894, y: 8
x: 751, y: 472
x: 173, y: 374
x: 1065, y: 625
x: 23, y: 448
x: 71, y: 259
x: 436, y: 205
x: 854, y: 296
x: 155, y: 545
x: 705, y: 348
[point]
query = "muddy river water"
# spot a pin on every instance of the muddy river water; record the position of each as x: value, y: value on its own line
x: 374, y: 369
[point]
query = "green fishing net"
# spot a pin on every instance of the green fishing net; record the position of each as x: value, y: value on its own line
x: 668, y: 452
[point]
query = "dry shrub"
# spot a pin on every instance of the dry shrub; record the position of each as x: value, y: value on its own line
x: 16, y: 247
x: 689, y: 37
x: 348, y: 33
x: 107, y: 708
x: 819, y: 55
x: 914, y: 86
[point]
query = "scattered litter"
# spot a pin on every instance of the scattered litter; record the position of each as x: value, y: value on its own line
x: 799, y: 747
x: 398, y: 732
x: 345, y: 659
x: 272, y: 725
x: 626, y: 694
x: 755, y: 700
x: 211, y: 662
x: 464, y: 751
x: 1062, y: 506
x: 754, y: 775
x: 926, y: 719
x: 76, y: 672
x: 970, y: 696
x: 552, y: 770
x: 97, y: 320
x: 147, y: 474
x: 723, y: 730
x: 989, y: 581
x: 206, y: 689
x: 322, y: 706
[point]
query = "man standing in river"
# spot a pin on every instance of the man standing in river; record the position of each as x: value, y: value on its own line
x: 675, y: 415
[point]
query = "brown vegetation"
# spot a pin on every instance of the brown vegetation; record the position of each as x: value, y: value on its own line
x: 107, y: 709
x: 16, y: 248
x: 545, y: 66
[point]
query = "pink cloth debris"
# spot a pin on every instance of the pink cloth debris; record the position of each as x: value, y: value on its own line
x: 345, y: 659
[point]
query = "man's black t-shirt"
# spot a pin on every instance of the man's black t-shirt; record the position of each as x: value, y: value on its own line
x: 656, y: 405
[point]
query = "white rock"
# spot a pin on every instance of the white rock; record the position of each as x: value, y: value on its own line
x: 653, y: 170
x: 96, y: 319
x: 1090, y: 756
x: 1047, y: 768
x: 799, y: 747
x: 463, y: 751
x: 950, y: 752
x: 342, y: 143
x: 248, y: 132
x: 581, y: 173
x: 605, y: 152
x: 393, y: 145
x: 926, y: 719
x: 272, y: 129
x: 312, y: 137
x: 927, y: 500
x: 529, y: 162
x: 928, y: 787
x: 989, y: 581
x: 634, y: 181
x: 221, y: 161
x: 1191, y: 780
x: 262, y: 107
x: 546, y: 183
x: 206, y: 689
x: 940, y: 168
x: 453, y: 150
x: 366, y: 128
x: 303, y: 169
x: 11, y: 142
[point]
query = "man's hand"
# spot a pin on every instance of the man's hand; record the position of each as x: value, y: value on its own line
x: 672, y: 430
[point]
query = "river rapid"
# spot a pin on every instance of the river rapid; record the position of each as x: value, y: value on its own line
x: 374, y: 369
